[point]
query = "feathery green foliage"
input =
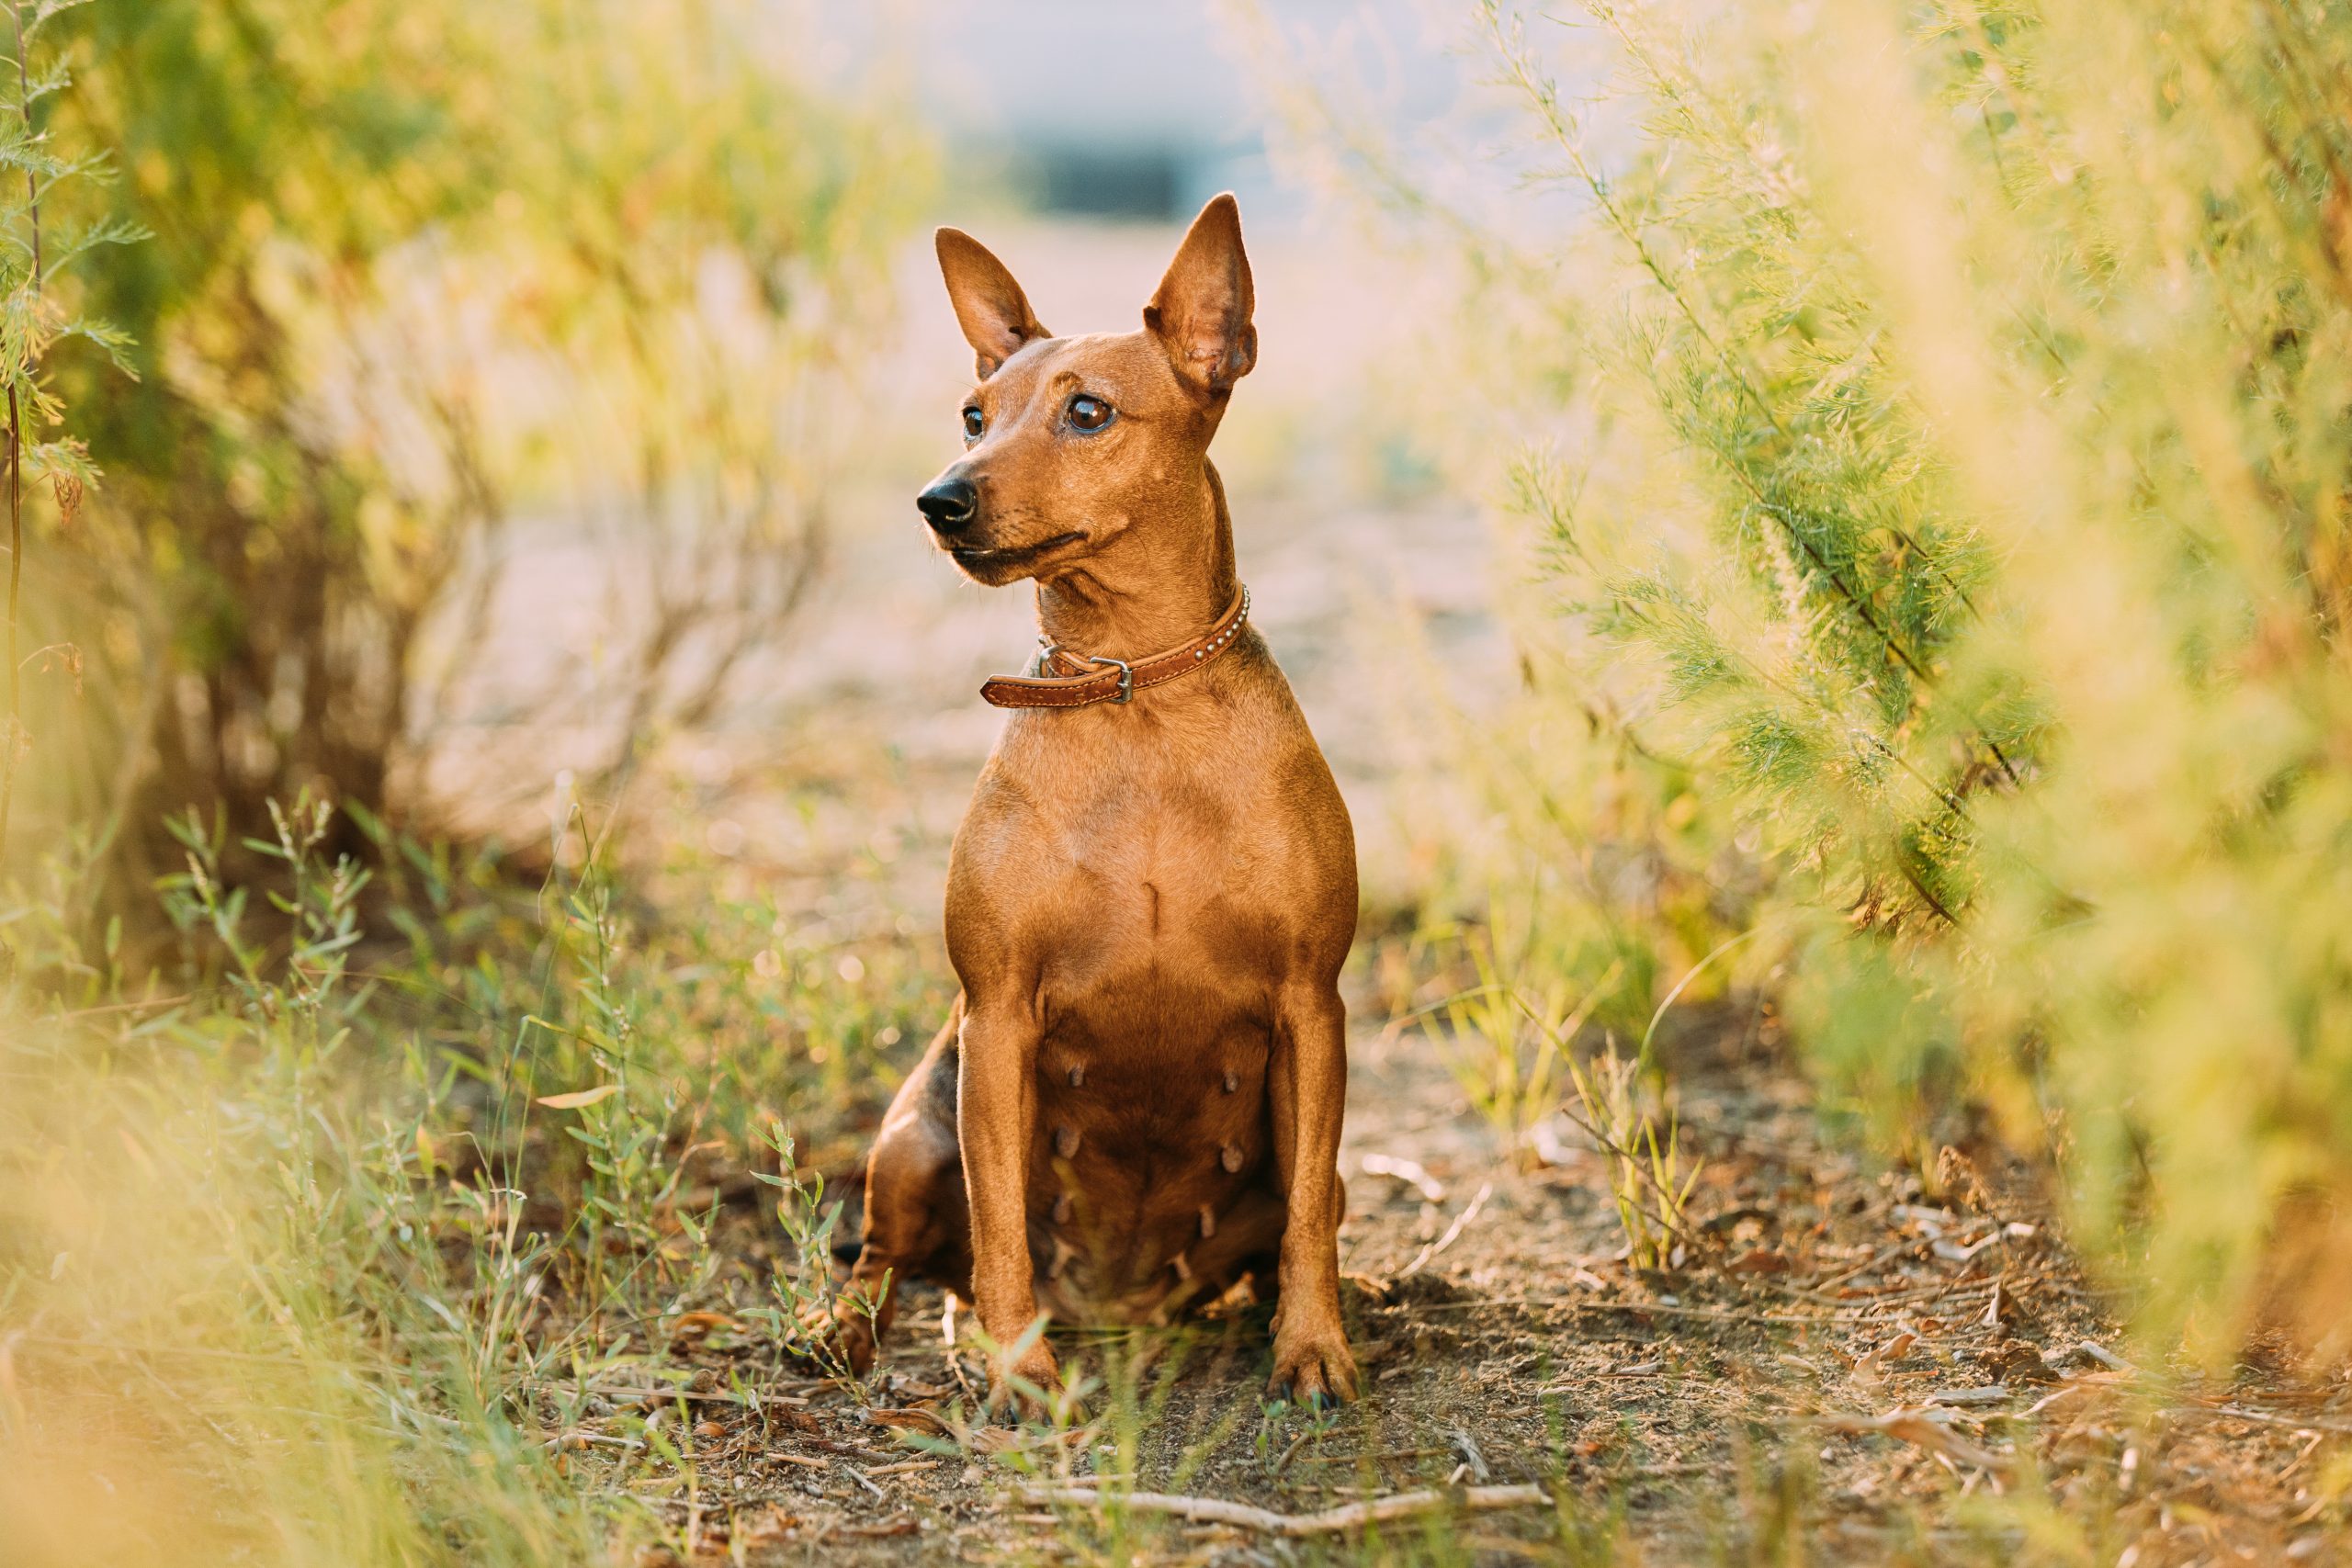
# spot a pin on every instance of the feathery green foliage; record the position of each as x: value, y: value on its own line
x: 31, y: 321
x: 1956, y: 489
x: 307, y: 1245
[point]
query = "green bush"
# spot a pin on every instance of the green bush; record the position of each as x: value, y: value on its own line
x: 1938, y: 437
x: 314, y: 1243
x: 414, y: 271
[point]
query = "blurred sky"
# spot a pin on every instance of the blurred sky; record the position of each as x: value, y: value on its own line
x: 1132, y: 112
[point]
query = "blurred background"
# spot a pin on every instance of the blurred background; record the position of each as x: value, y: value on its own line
x: 543, y: 451
x: 1814, y: 536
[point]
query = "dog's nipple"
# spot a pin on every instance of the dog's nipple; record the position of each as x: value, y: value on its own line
x: 1063, y: 1253
x: 1231, y: 1157
x: 1061, y: 1210
x: 1232, y: 1080
x: 1066, y: 1141
x: 1078, y: 1076
x: 1183, y: 1269
x: 1208, y: 1222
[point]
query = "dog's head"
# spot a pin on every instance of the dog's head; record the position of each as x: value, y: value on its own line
x: 1071, y: 443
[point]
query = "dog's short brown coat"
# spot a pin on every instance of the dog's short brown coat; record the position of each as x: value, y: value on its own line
x: 1138, y: 1094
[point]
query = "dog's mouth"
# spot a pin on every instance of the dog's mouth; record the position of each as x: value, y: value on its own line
x: 997, y: 560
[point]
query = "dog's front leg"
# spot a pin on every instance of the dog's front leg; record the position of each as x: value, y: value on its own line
x: 1309, y: 1090
x: 996, y: 1115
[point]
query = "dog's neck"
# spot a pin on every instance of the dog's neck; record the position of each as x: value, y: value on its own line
x: 1154, y: 587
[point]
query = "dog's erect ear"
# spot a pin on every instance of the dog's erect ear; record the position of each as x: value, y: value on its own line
x: 1201, y: 315
x: 989, y: 305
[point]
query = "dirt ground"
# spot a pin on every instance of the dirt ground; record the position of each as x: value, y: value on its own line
x: 1838, y: 1354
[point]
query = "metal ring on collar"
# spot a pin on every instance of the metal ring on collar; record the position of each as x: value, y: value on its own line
x: 1127, y: 672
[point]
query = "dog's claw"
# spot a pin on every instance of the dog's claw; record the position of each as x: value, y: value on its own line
x: 1036, y: 1368
x: 1316, y: 1370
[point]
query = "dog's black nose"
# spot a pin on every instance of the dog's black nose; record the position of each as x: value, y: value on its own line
x: 949, y: 505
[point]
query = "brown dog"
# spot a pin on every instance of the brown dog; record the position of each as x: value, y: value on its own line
x: 1138, y: 1094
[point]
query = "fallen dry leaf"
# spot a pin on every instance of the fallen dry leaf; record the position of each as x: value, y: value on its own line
x: 1869, y: 1367
x: 912, y: 1419
x: 1761, y: 1260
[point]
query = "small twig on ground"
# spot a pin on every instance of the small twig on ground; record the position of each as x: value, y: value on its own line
x: 664, y: 1395
x: 592, y: 1439
x: 2240, y: 1413
x: 1330, y: 1521
x: 1410, y: 1171
x: 1886, y: 1254
x: 2106, y: 1358
x: 1652, y: 1308
x: 1920, y: 1428
x: 1990, y: 1393
x: 1461, y: 1222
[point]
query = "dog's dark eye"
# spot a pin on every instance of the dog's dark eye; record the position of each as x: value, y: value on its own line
x: 1088, y: 413
x: 973, y: 425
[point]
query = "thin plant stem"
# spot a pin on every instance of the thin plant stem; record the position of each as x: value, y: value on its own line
x: 12, y: 744
x: 13, y: 740
x: 24, y: 112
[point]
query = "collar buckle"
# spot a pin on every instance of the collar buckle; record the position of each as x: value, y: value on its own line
x: 1127, y: 672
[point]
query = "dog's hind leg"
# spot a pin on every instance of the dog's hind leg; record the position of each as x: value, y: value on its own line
x: 918, y: 1223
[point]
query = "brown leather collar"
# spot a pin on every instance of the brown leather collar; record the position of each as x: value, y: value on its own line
x: 1102, y: 680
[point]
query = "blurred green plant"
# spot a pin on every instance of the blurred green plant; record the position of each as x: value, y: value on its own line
x: 1650, y: 1180
x: 1933, y: 430
x: 1505, y: 1047
x: 417, y: 268
x: 329, y: 1239
x: 31, y: 322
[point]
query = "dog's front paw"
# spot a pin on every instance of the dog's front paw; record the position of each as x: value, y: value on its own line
x: 1020, y: 1387
x: 1313, y: 1366
x: 842, y: 1333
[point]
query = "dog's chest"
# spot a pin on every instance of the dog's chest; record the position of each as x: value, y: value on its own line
x: 1158, y: 919
x: 1167, y: 912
